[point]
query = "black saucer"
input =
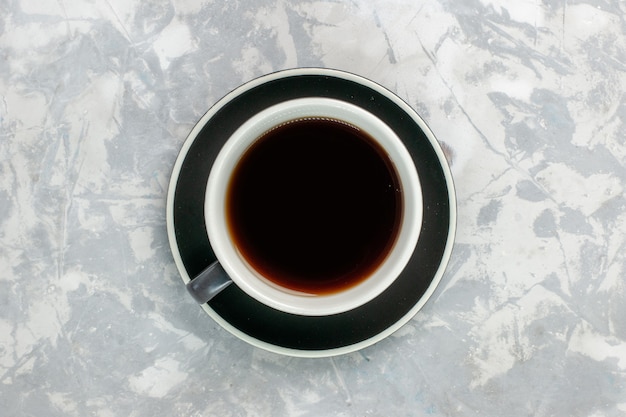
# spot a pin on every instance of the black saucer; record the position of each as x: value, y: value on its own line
x: 303, y: 335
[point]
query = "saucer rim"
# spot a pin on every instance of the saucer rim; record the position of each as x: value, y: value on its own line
x: 442, y: 162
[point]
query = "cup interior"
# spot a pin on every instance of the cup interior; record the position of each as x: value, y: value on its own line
x: 262, y: 289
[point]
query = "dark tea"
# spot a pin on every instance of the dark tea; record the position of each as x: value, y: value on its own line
x: 314, y: 205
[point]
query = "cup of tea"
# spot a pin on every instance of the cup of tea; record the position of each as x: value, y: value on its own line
x: 313, y: 207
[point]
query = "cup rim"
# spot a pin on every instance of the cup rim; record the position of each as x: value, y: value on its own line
x: 291, y: 301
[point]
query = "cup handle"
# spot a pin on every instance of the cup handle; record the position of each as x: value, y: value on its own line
x: 208, y: 283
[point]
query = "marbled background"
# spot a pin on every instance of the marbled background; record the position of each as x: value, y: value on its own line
x: 97, y: 97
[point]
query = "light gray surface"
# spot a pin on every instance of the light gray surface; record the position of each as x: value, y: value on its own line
x: 96, y: 98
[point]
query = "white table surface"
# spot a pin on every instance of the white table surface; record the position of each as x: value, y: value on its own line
x: 96, y: 99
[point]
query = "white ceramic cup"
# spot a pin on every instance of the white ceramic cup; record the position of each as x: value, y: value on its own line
x: 232, y: 268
